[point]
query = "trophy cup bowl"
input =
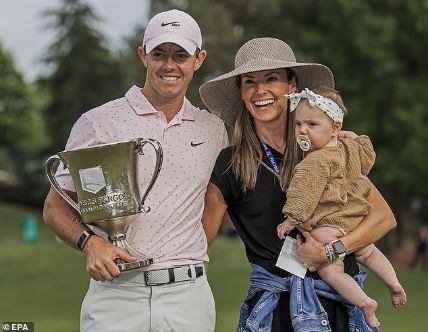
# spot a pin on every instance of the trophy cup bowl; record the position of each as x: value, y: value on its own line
x: 105, y: 179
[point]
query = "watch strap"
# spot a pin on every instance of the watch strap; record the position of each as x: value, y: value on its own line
x: 83, y: 239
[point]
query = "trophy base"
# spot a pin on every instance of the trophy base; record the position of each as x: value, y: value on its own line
x: 128, y: 266
x: 120, y: 241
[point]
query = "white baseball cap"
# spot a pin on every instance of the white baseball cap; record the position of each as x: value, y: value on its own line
x: 173, y: 26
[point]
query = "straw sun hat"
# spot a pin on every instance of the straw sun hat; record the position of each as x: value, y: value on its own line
x: 222, y: 96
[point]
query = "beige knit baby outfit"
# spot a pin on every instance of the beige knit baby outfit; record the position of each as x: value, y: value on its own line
x: 330, y: 186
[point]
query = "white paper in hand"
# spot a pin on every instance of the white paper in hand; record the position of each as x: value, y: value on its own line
x: 288, y: 259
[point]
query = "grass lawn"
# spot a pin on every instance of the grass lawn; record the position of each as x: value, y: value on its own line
x: 45, y: 282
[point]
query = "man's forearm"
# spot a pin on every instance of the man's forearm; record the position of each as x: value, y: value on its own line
x: 60, y: 216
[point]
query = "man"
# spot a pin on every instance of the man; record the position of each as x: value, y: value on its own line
x: 172, y: 294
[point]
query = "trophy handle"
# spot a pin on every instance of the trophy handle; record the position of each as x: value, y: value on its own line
x: 159, y: 159
x: 50, y: 173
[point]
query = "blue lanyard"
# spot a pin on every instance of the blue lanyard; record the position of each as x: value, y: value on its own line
x: 270, y: 156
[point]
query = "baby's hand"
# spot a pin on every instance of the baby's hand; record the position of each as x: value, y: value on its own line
x: 284, y: 228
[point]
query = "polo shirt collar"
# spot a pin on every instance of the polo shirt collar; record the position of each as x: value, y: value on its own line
x: 142, y: 106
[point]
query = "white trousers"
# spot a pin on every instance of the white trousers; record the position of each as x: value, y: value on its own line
x: 186, y: 306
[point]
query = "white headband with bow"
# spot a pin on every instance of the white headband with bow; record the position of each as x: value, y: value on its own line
x: 326, y: 105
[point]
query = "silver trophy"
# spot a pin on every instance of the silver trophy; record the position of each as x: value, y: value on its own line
x: 105, y: 179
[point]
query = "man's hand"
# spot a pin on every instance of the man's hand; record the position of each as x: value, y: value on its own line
x: 312, y: 252
x: 101, y: 256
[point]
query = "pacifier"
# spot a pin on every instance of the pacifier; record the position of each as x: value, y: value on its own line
x: 304, y: 143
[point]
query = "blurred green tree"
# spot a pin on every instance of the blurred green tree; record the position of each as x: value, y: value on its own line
x: 22, y: 134
x: 84, y: 74
x: 16, y: 103
x: 135, y: 72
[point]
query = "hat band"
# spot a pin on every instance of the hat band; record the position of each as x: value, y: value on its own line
x: 328, y: 106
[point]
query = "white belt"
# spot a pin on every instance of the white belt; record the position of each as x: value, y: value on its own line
x: 161, y: 277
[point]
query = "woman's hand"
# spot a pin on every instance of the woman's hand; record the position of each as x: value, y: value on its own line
x: 312, y: 252
x: 347, y: 134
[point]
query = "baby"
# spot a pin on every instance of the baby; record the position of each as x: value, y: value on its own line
x: 328, y: 194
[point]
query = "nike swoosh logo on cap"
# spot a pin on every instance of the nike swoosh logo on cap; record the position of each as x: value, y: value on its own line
x: 175, y: 24
x: 196, y: 144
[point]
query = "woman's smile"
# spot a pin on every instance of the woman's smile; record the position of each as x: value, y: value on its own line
x: 263, y: 103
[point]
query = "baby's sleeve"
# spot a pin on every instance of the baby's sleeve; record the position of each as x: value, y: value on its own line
x: 367, y: 153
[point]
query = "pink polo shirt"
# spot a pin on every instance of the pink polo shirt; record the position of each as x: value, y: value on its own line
x: 172, y: 231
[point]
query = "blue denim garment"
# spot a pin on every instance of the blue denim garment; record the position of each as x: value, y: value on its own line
x: 306, y: 311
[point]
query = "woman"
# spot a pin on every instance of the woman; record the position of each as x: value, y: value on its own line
x: 249, y: 180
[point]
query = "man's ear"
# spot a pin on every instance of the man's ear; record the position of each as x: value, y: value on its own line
x: 200, y: 59
x: 143, y: 56
x: 337, y: 126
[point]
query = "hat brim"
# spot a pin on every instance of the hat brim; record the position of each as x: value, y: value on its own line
x: 222, y: 96
x: 183, y: 42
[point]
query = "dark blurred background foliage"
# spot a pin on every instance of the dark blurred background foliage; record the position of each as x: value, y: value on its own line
x: 376, y: 49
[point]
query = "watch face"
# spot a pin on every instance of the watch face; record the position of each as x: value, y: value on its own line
x: 338, y: 247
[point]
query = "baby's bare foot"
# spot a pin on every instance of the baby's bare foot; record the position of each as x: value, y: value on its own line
x: 369, y: 309
x: 398, y: 295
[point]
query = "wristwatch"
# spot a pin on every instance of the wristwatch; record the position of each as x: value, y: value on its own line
x: 339, y: 248
x: 83, y: 239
